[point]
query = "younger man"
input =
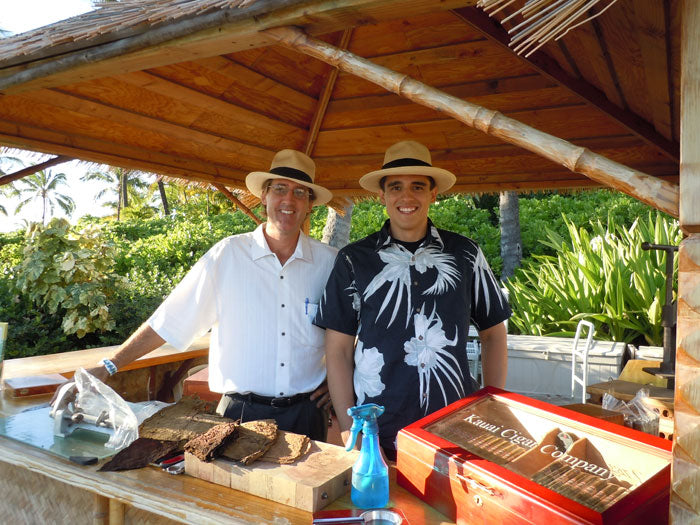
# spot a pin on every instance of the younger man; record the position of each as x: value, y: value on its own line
x: 409, y: 292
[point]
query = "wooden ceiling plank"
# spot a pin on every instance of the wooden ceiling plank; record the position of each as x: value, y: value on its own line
x: 402, y: 34
x: 101, y: 152
x: 240, y: 85
x: 154, y: 97
x: 391, y: 109
x: 548, y: 67
x: 648, y: 189
x: 618, y: 26
x: 440, y: 66
x: 112, y: 116
x: 30, y: 170
x: 571, y: 122
x: 217, y: 33
x: 325, y: 97
x: 651, y: 34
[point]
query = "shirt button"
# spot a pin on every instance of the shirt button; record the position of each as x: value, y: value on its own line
x: 281, y: 394
x: 422, y: 365
x: 413, y: 258
x: 417, y: 310
x: 282, y: 333
x: 281, y: 364
x: 283, y: 306
x: 281, y: 276
x: 415, y: 283
x: 420, y: 337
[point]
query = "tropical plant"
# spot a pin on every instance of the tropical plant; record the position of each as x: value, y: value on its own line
x: 124, y: 186
x: 44, y: 185
x: 601, y: 274
x: 71, y: 272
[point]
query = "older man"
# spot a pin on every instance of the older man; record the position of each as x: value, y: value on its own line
x: 258, y: 292
x: 408, y: 294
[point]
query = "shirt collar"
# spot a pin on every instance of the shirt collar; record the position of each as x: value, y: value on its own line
x: 261, y: 249
x: 385, y: 239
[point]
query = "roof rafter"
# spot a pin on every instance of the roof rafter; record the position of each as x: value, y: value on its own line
x: 24, y: 172
x: 550, y: 68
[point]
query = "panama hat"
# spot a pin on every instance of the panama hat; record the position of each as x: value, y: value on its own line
x: 408, y: 158
x: 293, y: 165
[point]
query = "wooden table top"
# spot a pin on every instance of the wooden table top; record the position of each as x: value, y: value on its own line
x: 182, y: 497
x: 67, y: 363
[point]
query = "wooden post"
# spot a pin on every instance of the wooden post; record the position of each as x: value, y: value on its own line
x: 651, y: 190
x: 690, y: 117
x: 25, y: 172
x: 230, y: 196
x: 685, y: 473
x: 101, y: 511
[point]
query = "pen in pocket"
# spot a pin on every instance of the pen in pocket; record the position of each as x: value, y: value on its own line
x: 306, y: 306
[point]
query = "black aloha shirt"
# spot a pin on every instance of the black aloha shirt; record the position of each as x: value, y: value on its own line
x: 411, y: 313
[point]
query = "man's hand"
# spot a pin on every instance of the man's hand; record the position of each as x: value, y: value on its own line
x: 322, y: 396
x: 100, y: 372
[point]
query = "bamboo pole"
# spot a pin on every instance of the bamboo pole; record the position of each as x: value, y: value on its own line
x: 230, y: 196
x: 651, y: 190
x: 24, y: 172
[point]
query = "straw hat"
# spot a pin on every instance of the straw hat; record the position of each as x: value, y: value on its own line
x: 408, y: 158
x: 293, y: 165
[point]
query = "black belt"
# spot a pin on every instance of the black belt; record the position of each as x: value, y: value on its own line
x: 270, y: 401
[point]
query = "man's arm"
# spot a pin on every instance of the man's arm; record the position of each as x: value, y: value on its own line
x: 494, y: 355
x: 340, y: 365
x: 141, y: 342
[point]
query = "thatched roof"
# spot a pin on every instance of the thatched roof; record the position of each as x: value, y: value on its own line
x: 194, y: 89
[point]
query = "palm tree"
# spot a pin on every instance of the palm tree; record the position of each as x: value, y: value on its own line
x: 44, y: 185
x: 124, y: 184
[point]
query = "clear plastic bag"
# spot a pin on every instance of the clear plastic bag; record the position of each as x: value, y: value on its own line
x: 637, y: 413
x: 94, y: 397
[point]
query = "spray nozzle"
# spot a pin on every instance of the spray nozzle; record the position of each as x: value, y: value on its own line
x: 363, y: 416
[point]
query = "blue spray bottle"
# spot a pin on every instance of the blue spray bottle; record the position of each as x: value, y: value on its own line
x: 370, y: 474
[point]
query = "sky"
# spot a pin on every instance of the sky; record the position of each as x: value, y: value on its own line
x: 18, y: 16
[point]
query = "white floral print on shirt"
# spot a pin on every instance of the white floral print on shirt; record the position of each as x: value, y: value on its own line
x: 368, y: 365
x: 426, y: 351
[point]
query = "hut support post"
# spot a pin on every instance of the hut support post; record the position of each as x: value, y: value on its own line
x: 651, y: 190
x: 685, y: 473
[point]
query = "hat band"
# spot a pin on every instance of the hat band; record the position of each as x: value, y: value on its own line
x: 399, y: 163
x: 291, y: 173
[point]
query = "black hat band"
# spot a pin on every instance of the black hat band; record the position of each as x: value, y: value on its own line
x: 291, y: 173
x: 400, y: 163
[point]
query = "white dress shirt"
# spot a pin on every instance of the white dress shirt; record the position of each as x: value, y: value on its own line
x: 260, y: 314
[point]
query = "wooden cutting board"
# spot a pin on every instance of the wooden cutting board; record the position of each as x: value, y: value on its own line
x: 311, y: 483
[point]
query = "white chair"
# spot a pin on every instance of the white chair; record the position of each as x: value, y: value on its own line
x: 581, y: 357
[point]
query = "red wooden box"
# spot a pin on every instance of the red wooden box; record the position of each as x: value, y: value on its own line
x: 499, y: 457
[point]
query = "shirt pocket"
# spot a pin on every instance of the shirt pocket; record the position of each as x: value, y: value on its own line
x: 311, y: 334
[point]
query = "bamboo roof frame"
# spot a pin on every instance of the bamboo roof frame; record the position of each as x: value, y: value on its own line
x: 116, y: 35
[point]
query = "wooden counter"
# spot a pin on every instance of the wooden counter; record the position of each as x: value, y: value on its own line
x: 39, y: 487
x: 67, y: 363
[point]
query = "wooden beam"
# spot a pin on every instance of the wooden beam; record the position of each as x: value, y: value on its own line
x: 325, y: 97
x: 230, y: 196
x: 690, y: 118
x: 651, y: 190
x: 11, y: 177
x: 549, y: 67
